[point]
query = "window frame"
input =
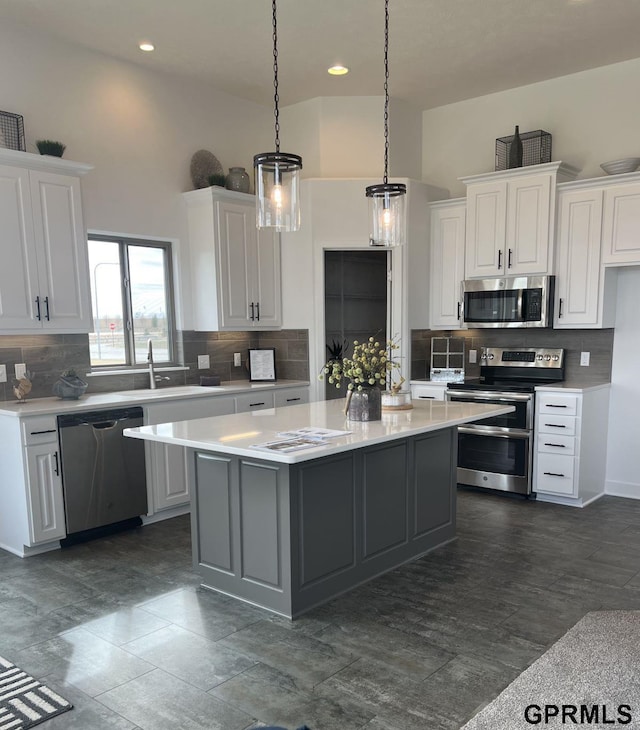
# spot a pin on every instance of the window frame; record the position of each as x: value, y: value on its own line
x: 123, y: 243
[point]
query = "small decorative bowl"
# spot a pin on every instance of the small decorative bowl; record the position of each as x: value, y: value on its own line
x: 69, y: 387
x: 396, y: 401
x: 617, y: 167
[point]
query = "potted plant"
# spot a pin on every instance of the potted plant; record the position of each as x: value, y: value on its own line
x: 50, y: 147
x: 217, y: 180
x: 365, y: 373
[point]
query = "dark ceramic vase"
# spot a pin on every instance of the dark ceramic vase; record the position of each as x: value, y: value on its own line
x: 238, y: 180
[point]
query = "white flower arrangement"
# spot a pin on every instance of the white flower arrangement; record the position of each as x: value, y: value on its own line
x: 371, y: 364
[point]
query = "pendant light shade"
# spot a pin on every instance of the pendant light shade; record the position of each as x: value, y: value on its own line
x: 387, y: 201
x: 277, y: 174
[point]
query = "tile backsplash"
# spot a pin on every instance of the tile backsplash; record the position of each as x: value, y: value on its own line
x: 46, y: 356
x: 598, y: 342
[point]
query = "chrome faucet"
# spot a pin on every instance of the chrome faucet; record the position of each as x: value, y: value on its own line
x: 152, y: 376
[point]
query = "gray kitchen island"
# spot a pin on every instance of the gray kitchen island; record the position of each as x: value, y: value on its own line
x: 288, y: 528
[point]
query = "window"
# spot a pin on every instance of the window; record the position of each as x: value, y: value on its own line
x: 131, y: 294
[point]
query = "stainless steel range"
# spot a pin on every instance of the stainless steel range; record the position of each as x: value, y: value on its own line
x: 497, y: 453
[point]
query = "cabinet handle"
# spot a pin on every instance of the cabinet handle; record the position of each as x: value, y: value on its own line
x: 560, y: 308
x: 258, y: 311
x: 46, y: 304
x: 553, y: 474
x: 509, y: 261
x: 553, y: 405
x: 57, y: 466
x: 38, y: 317
x: 458, y: 310
x: 554, y: 425
x: 252, y: 312
x: 426, y: 397
x: 558, y: 446
x: 253, y: 405
x: 290, y: 400
x: 499, y: 259
x: 37, y: 433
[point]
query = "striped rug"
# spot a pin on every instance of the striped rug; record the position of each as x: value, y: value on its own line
x: 25, y: 702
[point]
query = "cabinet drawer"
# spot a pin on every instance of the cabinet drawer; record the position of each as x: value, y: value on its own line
x: 563, y: 403
x: 556, y: 423
x: 553, y: 444
x: 254, y: 401
x: 39, y: 430
x: 292, y: 397
x: 428, y: 392
x: 183, y: 410
x: 555, y: 474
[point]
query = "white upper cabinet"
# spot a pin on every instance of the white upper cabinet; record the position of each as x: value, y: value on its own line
x: 44, y: 282
x: 621, y: 221
x: 447, y: 234
x: 510, y: 220
x: 235, y: 268
x: 585, y: 291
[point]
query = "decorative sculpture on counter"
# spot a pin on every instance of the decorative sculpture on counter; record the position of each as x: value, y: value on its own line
x: 22, y: 388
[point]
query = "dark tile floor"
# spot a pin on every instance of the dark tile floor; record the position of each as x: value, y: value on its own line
x: 120, y: 627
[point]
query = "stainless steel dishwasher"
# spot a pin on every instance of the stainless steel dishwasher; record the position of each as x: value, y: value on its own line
x: 103, y: 472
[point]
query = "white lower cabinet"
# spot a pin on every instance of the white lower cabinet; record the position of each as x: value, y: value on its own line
x: 45, y: 503
x: 571, y: 442
x: 31, y: 501
x: 428, y: 391
x: 167, y: 484
x: 290, y: 397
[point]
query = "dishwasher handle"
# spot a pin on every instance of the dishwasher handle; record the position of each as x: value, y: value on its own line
x: 105, y: 425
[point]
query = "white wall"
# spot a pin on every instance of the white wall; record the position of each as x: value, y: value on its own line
x: 623, y: 452
x: 592, y: 117
x: 343, y: 137
x: 138, y: 128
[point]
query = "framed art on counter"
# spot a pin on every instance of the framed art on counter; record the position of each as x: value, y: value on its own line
x: 262, y: 365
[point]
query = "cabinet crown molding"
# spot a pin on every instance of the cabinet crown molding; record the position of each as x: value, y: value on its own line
x: 562, y: 170
x: 47, y: 163
x: 603, y: 181
x: 215, y: 192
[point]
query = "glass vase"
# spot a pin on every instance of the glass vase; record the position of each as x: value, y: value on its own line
x: 365, y: 404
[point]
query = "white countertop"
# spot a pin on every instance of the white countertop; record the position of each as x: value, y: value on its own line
x: 97, y: 401
x: 573, y: 386
x: 237, y: 434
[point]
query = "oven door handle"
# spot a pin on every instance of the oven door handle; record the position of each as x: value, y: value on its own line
x: 507, y: 433
x: 482, y: 395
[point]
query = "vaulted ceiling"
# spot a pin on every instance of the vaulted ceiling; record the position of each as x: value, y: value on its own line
x: 441, y: 51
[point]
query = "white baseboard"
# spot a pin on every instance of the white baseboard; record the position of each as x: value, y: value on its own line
x: 166, y: 514
x: 622, y: 489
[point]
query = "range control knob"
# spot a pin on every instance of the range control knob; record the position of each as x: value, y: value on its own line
x: 483, y: 356
x: 547, y: 358
x: 491, y: 357
x: 538, y: 357
x: 555, y: 358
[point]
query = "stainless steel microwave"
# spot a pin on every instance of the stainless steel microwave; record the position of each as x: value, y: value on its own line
x: 519, y: 301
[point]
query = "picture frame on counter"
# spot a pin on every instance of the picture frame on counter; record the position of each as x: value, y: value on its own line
x: 262, y: 365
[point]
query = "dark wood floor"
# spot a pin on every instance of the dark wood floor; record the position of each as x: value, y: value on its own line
x: 121, y: 629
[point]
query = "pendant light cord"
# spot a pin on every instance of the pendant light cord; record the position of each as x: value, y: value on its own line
x: 276, y: 98
x: 386, y: 88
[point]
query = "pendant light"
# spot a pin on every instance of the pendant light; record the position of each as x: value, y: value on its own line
x: 386, y: 200
x: 277, y: 174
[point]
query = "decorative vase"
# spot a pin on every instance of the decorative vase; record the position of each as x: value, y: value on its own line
x: 238, y: 180
x: 69, y: 387
x: 515, y: 150
x: 365, y: 404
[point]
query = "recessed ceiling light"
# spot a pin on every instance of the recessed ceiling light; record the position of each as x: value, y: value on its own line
x: 338, y: 70
x: 146, y: 46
